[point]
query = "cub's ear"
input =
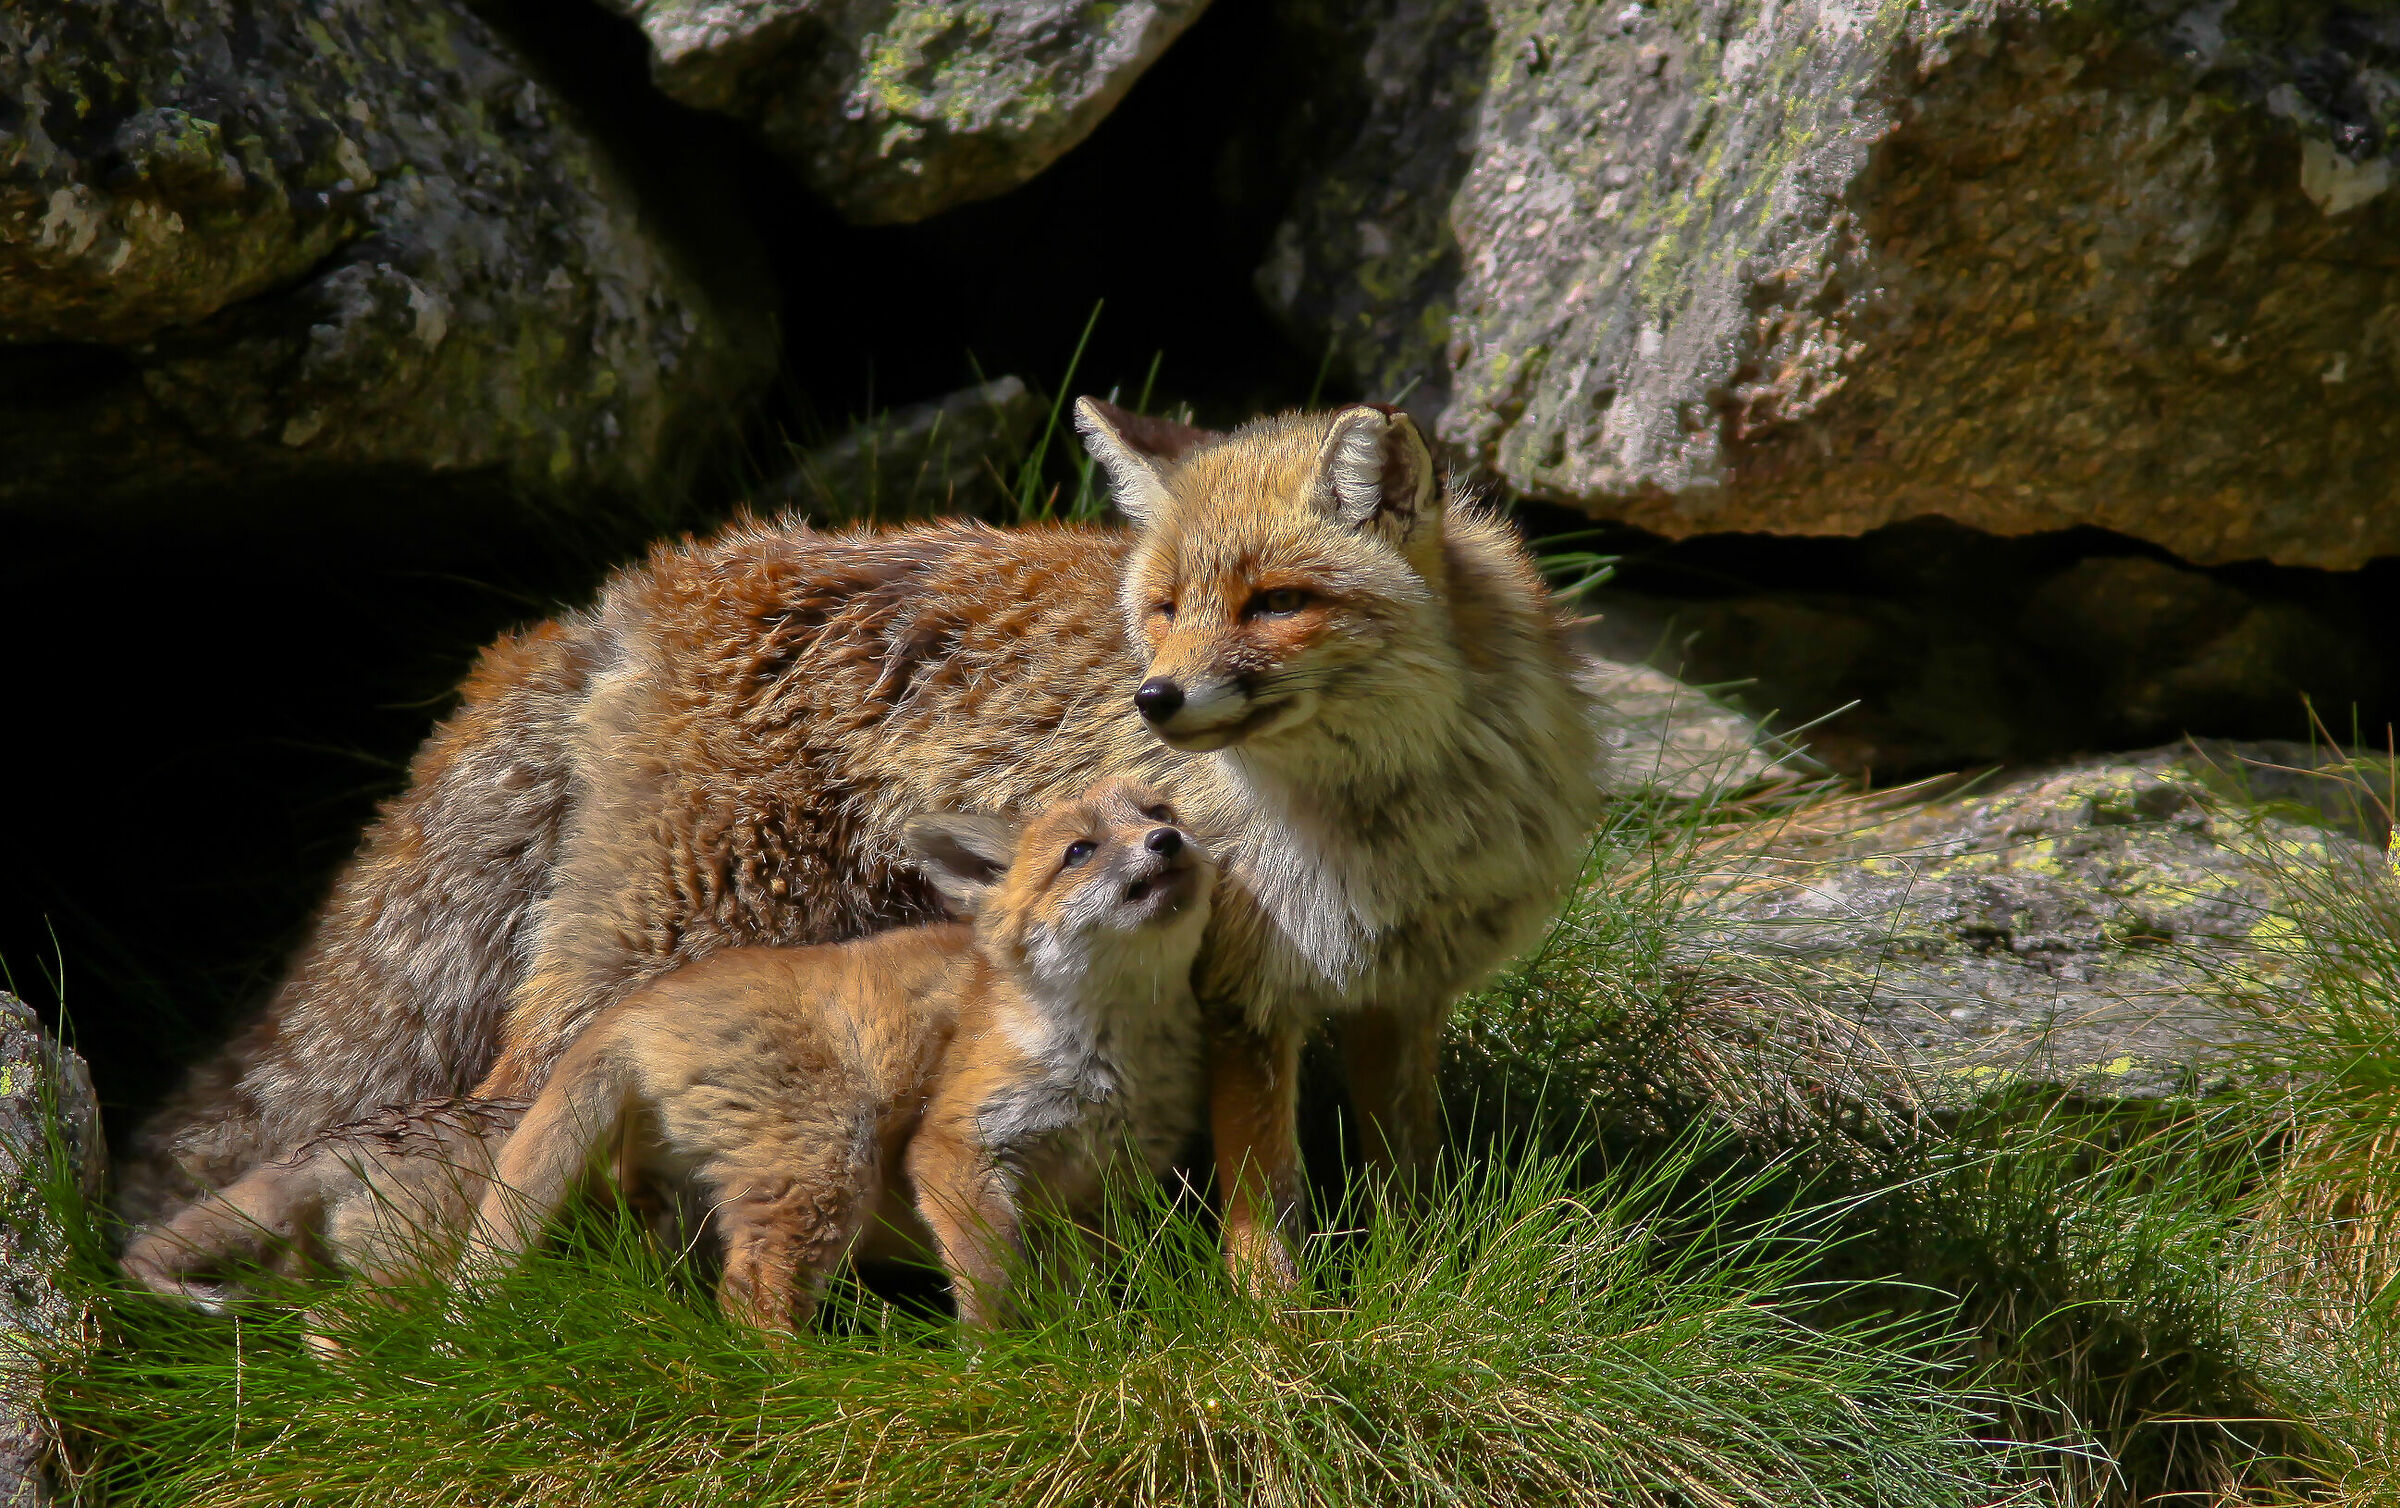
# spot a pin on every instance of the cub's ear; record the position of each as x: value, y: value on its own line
x: 1374, y: 470
x: 963, y: 855
x: 1135, y: 451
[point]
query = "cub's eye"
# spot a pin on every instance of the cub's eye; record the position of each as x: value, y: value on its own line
x: 1078, y: 851
x: 1276, y: 602
x: 1163, y: 609
x: 1160, y: 813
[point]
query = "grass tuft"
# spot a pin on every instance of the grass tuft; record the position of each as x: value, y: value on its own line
x: 1523, y: 1339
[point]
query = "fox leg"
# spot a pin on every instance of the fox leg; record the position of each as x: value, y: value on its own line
x: 967, y: 1204
x: 268, y: 1217
x: 783, y: 1240
x: 559, y: 997
x: 1392, y: 1057
x: 579, y: 970
x: 618, y: 910
x: 1253, y: 1104
x: 546, y: 1158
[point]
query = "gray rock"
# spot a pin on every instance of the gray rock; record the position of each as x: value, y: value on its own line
x: 249, y: 245
x: 953, y: 455
x: 898, y: 109
x: 44, y: 1088
x: 2082, y: 927
x: 1661, y: 737
x: 1813, y: 268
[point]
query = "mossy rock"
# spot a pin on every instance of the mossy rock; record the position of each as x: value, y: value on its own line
x: 956, y: 454
x: 45, y: 1091
x: 1709, y: 265
x: 1660, y: 737
x: 898, y: 109
x: 2107, y: 926
x: 249, y: 247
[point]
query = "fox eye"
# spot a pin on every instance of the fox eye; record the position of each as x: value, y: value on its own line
x: 1160, y: 813
x: 1276, y: 602
x: 1164, y: 609
x: 1078, y: 851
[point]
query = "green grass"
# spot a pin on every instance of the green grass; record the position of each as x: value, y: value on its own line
x: 2335, y: 1188
x: 2189, y: 1301
x: 1524, y: 1340
x: 1698, y: 1247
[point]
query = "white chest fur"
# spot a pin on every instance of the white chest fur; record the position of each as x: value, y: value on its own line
x: 1115, y: 1075
x: 1411, y: 880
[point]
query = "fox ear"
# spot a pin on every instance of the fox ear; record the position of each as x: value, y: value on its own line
x: 1374, y: 470
x: 1135, y: 451
x: 963, y: 855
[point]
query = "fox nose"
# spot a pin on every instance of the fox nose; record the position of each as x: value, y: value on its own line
x: 1159, y: 699
x: 1165, y: 842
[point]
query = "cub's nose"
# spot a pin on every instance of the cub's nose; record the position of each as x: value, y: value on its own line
x: 1165, y: 842
x: 1159, y: 699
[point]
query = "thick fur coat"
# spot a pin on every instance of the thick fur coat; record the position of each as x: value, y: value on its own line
x: 1374, y: 727
x: 921, y: 1088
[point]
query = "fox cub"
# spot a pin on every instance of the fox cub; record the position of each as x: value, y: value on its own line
x: 948, y: 1071
x: 982, y: 1064
x: 383, y: 1199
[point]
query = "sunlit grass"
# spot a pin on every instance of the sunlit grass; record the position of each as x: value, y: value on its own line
x: 1528, y: 1338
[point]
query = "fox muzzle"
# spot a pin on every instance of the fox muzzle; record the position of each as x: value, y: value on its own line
x: 1159, y: 699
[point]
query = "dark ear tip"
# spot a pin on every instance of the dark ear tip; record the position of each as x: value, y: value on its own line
x: 1144, y: 434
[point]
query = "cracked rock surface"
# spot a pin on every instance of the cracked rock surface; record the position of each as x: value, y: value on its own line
x: 898, y: 109
x: 2082, y: 926
x: 1820, y: 266
x: 245, y: 244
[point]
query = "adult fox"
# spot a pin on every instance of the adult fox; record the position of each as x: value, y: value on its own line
x: 1354, y: 688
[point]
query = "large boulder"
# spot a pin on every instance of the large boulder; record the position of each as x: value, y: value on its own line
x: 245, y: 244
x: 897, y: 109
x: 1869, y: 685
x: 2091, y: 926
x: 1818, y: 266
x: 49, y: 1130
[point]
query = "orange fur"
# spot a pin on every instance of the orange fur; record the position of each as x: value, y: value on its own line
x: 1395, y: 774
x: 941, y: 1071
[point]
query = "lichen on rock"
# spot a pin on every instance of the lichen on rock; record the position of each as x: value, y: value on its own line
x: 2091, y: 926
x: 897, y: 109
x: 1813, y: 268
x: 242, y: 244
